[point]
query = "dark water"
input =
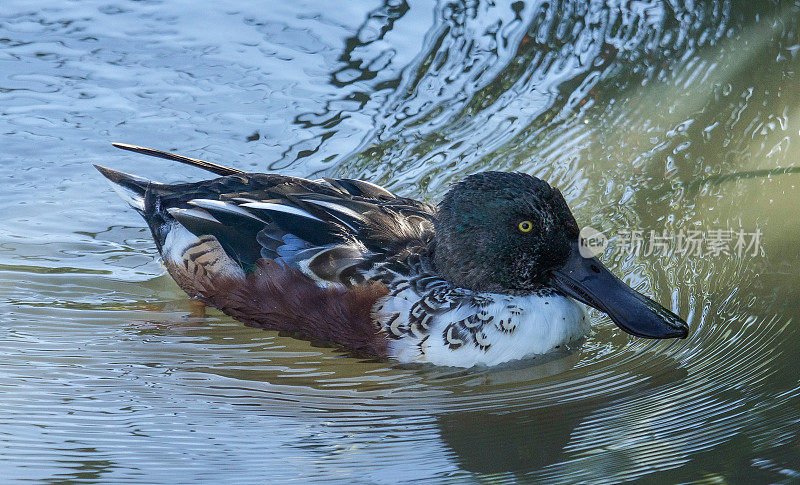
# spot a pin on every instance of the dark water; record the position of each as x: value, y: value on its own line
x: 648, y: 115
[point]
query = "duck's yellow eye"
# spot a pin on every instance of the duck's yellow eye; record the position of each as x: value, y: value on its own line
x: 525, y: 226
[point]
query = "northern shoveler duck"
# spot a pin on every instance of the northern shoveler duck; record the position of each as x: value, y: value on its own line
x: 491, y: 274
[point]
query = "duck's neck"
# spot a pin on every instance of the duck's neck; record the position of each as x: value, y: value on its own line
x: 460, y: 270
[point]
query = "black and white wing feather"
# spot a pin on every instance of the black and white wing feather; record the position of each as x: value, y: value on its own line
x: 329, y: 228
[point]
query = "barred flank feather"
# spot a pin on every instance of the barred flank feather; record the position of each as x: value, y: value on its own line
x: 276, y: 297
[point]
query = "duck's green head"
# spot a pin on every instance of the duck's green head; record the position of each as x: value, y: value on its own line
x: 499, y: 231
x: 513, y: 233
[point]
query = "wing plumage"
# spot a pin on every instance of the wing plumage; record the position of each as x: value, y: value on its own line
x: 325, y: 228
x: 211, y: 167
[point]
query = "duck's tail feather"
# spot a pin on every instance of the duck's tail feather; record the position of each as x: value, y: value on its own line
x: 130, y: 188
x: 144, y: 196
x: 211, y: 167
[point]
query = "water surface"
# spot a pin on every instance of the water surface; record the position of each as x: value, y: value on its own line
x: 649, y: 115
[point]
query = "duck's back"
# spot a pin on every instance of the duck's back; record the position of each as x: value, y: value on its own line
x: 282, y: 252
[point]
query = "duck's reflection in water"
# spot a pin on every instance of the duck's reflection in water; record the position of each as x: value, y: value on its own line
x: 549, y: 440
x: 515, y: 442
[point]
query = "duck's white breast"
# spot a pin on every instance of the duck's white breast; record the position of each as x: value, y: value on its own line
x: 500, y: 328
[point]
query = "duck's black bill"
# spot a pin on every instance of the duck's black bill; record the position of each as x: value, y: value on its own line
x: 588, y: 281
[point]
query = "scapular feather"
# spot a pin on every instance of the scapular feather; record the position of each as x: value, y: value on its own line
x: 326, y: 227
